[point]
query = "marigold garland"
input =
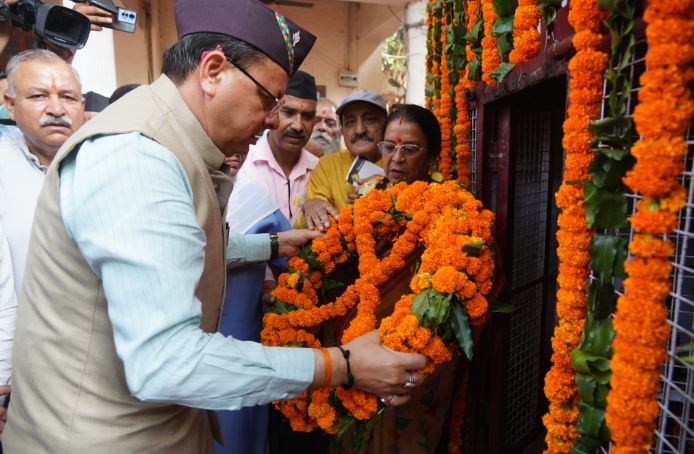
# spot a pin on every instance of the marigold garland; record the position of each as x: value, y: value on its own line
x: 461, y: 130
x: 662, y: 117
x: 444, y: 112
x: 586, y: 69
x: 526, y: 38
x: 463, y: 124
x: 434, y: 53
x: 429, y: 59
x: 490, y: 54
x: 431, y: 216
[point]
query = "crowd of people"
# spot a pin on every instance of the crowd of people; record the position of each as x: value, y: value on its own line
x: 140, y: 245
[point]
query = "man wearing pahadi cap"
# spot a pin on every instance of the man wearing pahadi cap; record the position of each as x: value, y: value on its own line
x: 115, y: 347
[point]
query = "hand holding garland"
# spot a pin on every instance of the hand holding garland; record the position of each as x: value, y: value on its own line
x: 375, y: 368
x: 291, y: 241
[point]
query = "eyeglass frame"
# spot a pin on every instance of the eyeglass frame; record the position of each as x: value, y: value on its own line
x: 278, y: 101
x: 400, y: 147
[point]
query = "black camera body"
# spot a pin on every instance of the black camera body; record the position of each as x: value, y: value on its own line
x: 123, y: 19
x: 54, y: 23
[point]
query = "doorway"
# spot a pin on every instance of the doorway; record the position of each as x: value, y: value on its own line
x: 522, y: 157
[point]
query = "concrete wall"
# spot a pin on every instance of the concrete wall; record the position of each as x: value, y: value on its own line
x: 340, y: 46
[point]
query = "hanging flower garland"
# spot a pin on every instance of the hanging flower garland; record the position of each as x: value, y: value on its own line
x: 461, y: 130
x: 490, y: 54
x: 434, y: 52
x: 429, y: 59
x: 451, y: 280
x: 585, y: 89
x: 526, y: 38
x: 462, y: 125
x: 662, y: 117
x: 444, y: 112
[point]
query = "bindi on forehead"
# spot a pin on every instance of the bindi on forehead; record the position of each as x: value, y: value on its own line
x: 398, y: 140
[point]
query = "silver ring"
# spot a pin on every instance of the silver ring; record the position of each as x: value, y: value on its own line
x: 410, y: 381
x: 385, y: 400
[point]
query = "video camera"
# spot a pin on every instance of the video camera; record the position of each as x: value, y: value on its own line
x: 124, y: 19
x: 54, y: 23
x: 60, y: 25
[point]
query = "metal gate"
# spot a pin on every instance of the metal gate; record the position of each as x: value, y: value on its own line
x: 521, y: 166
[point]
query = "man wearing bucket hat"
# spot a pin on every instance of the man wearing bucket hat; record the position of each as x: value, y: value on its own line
x: 362, y: 116
x: 115, y: 347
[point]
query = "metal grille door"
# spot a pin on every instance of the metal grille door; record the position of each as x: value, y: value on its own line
x: 530, y: 144
x: 522, y: 158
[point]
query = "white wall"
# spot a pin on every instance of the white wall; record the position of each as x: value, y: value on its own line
x: 95, y: 62
x: 416, y: 52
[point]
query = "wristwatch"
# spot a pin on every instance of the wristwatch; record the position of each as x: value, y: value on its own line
x: 274, y: 246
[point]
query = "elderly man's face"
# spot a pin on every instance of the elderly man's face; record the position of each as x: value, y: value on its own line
x: 235, y: 108
x: 296, y: 118
x: 362, y: 129
x: 48, y: 105
x: 326, y: 131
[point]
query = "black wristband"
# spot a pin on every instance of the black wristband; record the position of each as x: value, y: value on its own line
x: 350, y: 377
x: 274, y: 246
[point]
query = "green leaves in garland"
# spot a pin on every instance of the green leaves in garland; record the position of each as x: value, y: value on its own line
x: 502, y: 29
x: 501, y: 71
x: 433, y: 308
x: 549, y: 10
x: 435, y: 12
x: 606, y: 208
x: 474, y: 38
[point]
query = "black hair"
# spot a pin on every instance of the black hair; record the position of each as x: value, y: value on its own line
x: 183, y: 58
x: 424, y: 118
x: 121, y: 91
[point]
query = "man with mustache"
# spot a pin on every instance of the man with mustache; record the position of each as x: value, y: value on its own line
x: 325, y: 138
x: 278, y: 162
x: 94, y: 102
x: 362, y: 116
x: 43, y: 97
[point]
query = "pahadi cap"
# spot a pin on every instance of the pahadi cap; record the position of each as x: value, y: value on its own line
x: 250, y: 21
x: 302, y: 85
x: 362, y: 96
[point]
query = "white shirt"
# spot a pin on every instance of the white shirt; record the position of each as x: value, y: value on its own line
x: 287, y: 192
x: 8, y: 310
x: 21, y: 179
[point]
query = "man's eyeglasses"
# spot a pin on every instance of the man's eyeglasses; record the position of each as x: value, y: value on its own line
x: 271, y: 103
x: 408, y: 150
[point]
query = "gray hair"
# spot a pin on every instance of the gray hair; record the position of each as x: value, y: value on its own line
x: 328, y: 100
x: 30, y: 55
